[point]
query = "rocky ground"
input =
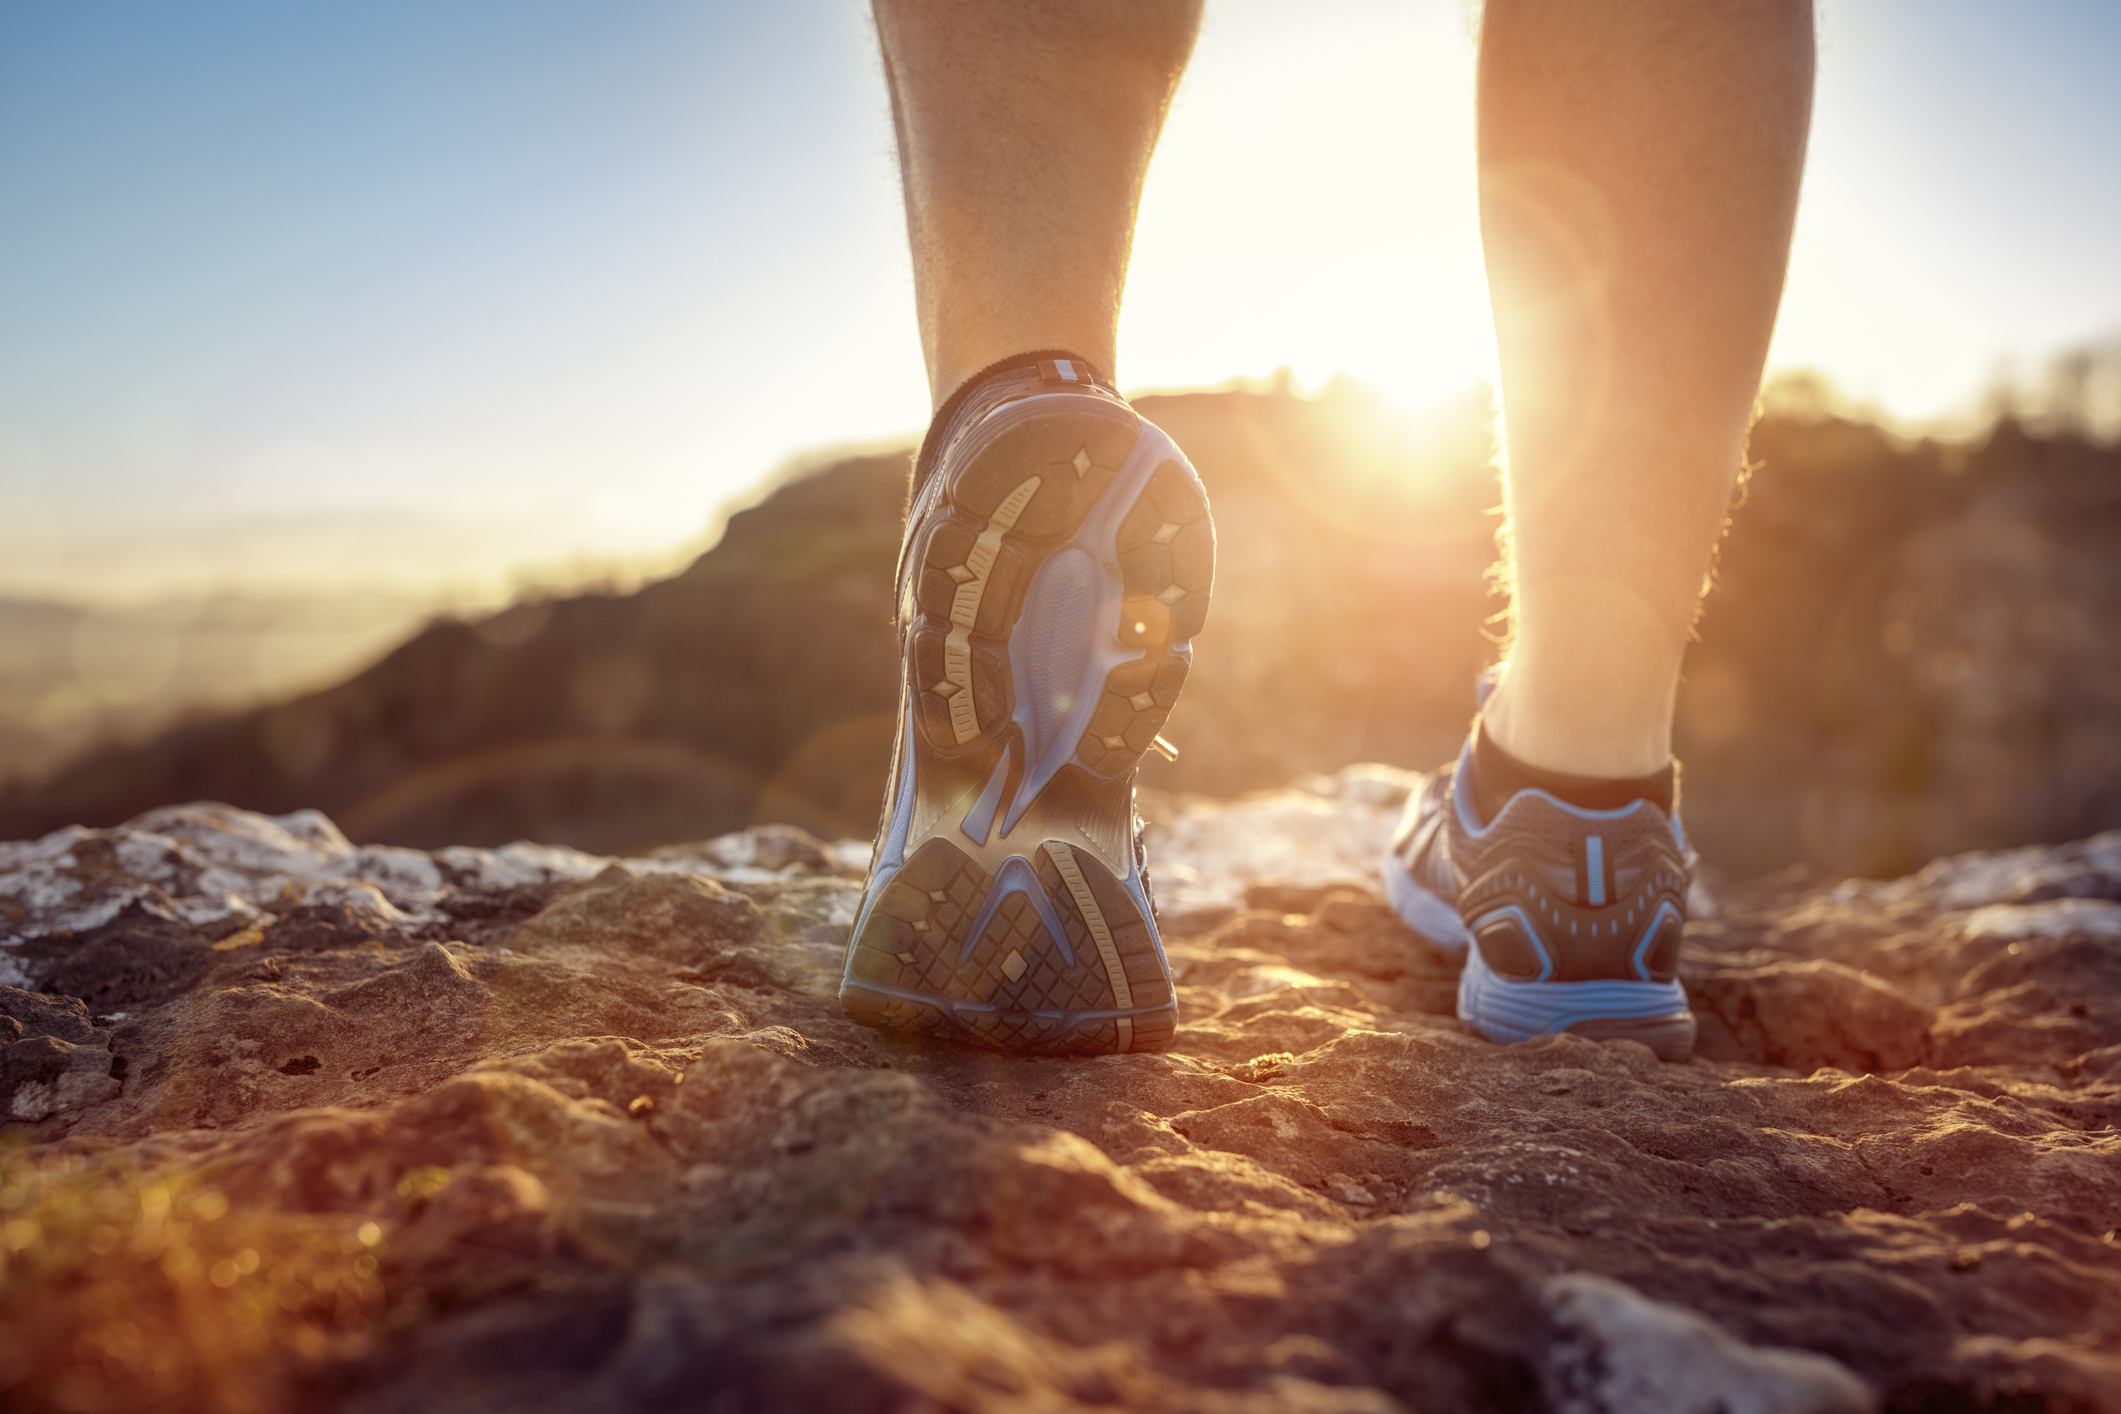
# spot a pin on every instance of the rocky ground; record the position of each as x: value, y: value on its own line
x: 303, y: 1126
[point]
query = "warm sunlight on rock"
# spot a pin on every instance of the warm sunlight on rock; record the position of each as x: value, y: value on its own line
x: 531, y: 1128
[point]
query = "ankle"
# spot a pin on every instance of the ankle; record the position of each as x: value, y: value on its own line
x: 1498, y: 775
x: 1606, y: 724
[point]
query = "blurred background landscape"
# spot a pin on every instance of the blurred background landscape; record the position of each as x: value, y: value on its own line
x: 415, y: 412
x: 1911, y: 652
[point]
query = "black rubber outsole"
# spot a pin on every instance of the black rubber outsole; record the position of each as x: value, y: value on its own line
x: 1026, y: 938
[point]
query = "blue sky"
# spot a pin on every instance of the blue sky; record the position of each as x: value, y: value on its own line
x: 434, y: 294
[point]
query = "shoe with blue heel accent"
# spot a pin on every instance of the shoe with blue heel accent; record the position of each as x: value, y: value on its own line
x: 1057, y: 563
x: 1569, y: 918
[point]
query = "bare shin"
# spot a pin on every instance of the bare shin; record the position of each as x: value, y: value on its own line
x: 1639, y: 169
x: 1024, y: 132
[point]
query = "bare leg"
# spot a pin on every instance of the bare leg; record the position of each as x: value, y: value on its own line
x: 1639, y: 165
x: 1040, y: 659
x: 1024, y: 132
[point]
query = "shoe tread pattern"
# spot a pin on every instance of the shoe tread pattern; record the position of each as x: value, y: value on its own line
x: 919, y: 939
x: 1003, y: 508
x: 931, y: 957
x: 1166, y: 548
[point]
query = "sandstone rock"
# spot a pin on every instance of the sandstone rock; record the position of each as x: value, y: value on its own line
x: 676, y: 918
x: 1622, y: 1353
x: 1331, y: 830
x: 564, y: 1132
x: 1806, y: 1015
x: 33, y: 1014
x: 52, y: 1059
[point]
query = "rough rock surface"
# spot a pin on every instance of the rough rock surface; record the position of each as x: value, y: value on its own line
x: 305, y: 1126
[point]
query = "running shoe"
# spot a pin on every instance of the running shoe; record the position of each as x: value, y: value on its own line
x: 1570, y: 919
x: 1056, y: 565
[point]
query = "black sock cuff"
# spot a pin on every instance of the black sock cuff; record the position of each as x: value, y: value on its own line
x: 939, y: 425
x: 1497, y: 776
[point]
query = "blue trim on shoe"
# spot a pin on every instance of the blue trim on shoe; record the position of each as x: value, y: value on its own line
x: 1641, y: 952
x: 890, y: 854
x: 1508, y: 1009
x: 1469, y: 819
x: 1504, y: 1010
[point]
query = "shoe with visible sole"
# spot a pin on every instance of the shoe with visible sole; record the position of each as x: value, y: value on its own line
x: 1570, y: 919
x: 1057, y: 563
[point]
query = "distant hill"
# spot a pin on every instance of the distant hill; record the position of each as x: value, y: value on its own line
x: 1912, y: 652
x: 74, y: 675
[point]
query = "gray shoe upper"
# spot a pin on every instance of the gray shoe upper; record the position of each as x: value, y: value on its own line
x: 1552, y: 892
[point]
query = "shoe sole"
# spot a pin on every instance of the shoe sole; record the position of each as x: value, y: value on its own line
x: 1062, y: 566
x: 1654, y: 1013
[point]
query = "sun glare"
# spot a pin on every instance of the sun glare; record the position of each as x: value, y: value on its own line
x: 1312, y: 207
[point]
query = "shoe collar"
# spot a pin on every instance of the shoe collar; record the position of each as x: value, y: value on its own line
x: 1469, y: 818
